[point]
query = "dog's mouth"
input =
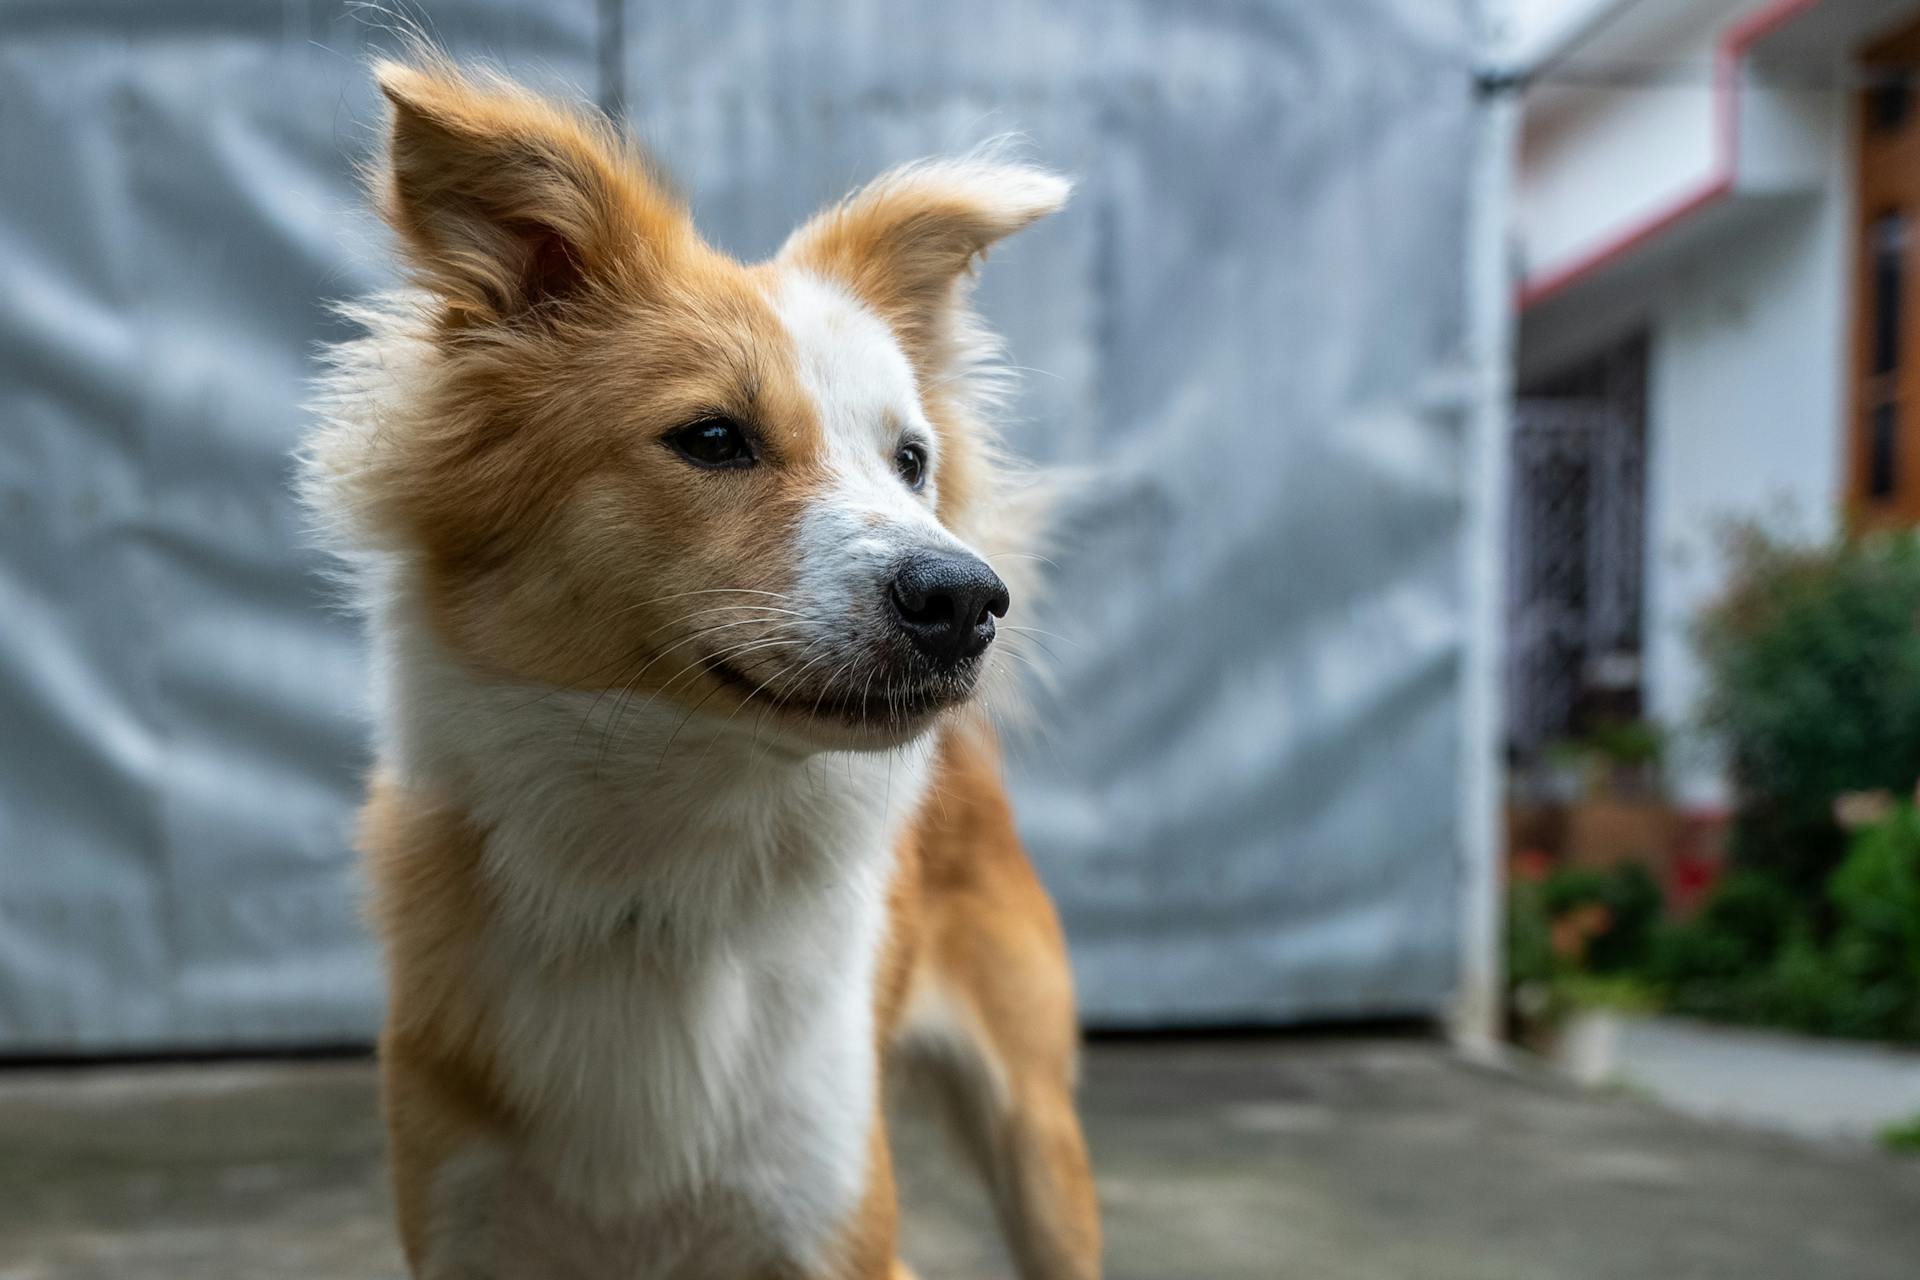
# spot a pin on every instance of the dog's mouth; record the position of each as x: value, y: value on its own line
x: 876, y: 699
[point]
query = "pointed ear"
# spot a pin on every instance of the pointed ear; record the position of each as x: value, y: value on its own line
x: 506, y: 201
x: 904, y: 243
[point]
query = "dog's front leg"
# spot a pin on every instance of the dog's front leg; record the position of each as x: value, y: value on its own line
x: 449, y: 1172
x: 867, y: 1238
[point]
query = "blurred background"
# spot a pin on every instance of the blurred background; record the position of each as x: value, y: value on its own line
x: 1478, y: 774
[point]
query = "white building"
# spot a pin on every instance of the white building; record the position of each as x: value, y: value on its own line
x: 1709, y: 211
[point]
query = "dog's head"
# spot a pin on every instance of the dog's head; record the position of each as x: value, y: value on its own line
x: 615, y: 458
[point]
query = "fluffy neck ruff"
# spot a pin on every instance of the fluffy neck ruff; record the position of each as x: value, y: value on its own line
x: 625, y: 817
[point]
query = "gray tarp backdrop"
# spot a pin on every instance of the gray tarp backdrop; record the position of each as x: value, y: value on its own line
x: 1252, y: 324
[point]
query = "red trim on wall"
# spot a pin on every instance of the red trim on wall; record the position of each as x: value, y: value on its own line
x: 1730, y: 50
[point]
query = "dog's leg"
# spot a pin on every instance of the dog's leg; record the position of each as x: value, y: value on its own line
x: 1009, y: 1101
x: 991, y: 1013
x: 445, y: 1176
x: 870, y: 1236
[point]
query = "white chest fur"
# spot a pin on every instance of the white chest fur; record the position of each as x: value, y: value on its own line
x: 680, y: 981
x: 745, y: 1062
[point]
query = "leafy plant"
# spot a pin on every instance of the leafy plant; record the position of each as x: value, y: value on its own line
x: 1614, y: 757
x: 1579, y: 938
x: 1628, y: 742
x: 1757, y: 953
x: 1629, y: 900
x: 1529, y: 934
x: 1903, y: 1137
x: 1876, y: 940
x: 1812, y: 659
x: 1623, y: 992
x: 1877, y: 890
x: 1737, y: 934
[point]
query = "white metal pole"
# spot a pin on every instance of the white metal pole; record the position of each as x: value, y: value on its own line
x: 1477, y: 1012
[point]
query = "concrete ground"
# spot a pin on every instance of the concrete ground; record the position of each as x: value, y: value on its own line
x: 1226, y: 1159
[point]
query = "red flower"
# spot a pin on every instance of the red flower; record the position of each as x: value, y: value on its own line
x: 1530, y: 864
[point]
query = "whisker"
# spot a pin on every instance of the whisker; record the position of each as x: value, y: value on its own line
x: 631, y: 681
x: 701, y: 662
x: 1022, y: 555
x: 756, y: 693
x: 1036, y: 631
x: 581, y: 684
x: 845, y: 668
x: 684, y: 722
x: 620, y: 706
x: 1043, y: 647
x: 705, y: 591
x: 761, y: 612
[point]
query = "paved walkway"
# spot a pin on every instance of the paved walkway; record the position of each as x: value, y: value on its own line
x: 1817, y: 1089
x: 1229, y: 1160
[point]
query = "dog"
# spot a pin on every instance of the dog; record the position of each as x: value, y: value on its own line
x: 686, y: 822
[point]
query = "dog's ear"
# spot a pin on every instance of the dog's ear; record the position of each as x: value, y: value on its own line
x: 505, y: 201
x: 904, y: 244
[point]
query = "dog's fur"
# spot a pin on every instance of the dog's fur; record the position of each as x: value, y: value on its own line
x: 669, y: 850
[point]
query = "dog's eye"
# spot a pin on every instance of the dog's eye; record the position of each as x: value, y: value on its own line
x: 713, y: 442
x: 911, y: 462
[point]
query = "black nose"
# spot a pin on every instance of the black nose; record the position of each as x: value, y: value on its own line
x: 947, y: 603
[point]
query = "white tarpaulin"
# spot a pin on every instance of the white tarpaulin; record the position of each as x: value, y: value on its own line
x: 1251, y: 327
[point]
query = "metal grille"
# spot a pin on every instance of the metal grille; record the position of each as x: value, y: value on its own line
x: 1576, y: 554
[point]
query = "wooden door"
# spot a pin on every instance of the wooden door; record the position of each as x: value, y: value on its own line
x: 1884, y: 471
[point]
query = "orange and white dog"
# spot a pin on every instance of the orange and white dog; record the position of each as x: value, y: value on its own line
x: 685, y: 820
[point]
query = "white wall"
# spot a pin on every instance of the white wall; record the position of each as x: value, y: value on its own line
x: 1604, y: 160
x: 1746, y: 419
x: 1622, y: 125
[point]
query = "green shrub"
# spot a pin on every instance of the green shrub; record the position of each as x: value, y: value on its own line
x: 1876, y: 938
x: 1621, y: 992
x: 1602, y: 960
x: 1738, y: 933
x: 1903, y: 1137
x: 1756, y: 954
x: 1877, y: 891
x: 1632, y: 899
x: 1529, y: 934
x: 1812, y: 660
x: 1628, y: 742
